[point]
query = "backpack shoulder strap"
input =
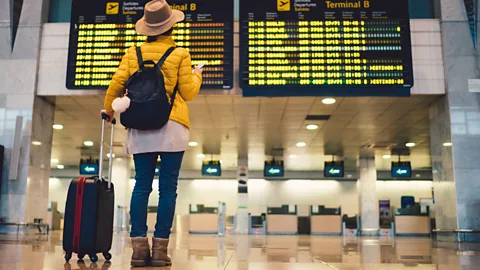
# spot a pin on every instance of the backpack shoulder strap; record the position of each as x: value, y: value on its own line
x: 159, y: 64
x: 139, y: 56
x: 165, y: 56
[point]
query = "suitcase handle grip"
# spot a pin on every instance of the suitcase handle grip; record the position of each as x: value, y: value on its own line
x: 105, y: 116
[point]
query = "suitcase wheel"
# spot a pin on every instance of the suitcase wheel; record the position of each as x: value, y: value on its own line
x: 107, y: 256
x: 68, y: 256
x: 80, y: 257
x: 93, y: 258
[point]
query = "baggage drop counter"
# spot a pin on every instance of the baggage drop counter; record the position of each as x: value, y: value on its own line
x: 412, y: 222
x: 282, y: 220
x: 325, y: 221
x: 203, y: 220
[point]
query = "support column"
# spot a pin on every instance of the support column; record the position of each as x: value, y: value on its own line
x: 242, y: 218
x: 120, y: 177
x: 368, y: 198
x: 25, y: 198
x: 454, y: 127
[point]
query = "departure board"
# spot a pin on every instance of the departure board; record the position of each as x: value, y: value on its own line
x: 101, y: 31
x: 320, y: 47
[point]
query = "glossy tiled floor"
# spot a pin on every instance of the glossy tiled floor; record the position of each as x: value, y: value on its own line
x: 203, y: 252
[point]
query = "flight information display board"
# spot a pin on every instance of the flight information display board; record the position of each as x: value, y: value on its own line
x: 321, y: 47
x: 102, y: 30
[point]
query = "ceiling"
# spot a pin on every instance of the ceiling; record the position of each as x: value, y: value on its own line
x: 229, y: 126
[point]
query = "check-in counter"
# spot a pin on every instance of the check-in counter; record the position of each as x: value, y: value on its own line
x: 325, y: 221
x: 282, y: 220
x: 411, y: 221
x: 203, y: 220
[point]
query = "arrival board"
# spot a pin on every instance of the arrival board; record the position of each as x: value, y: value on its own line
x: 320, y: 47
x: 102, y: 30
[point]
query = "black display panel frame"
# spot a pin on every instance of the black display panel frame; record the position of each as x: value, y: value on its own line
x: 263, y: 11
x: 206, y: 14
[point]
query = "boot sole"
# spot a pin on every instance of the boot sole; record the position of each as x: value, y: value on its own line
x: 138, y: 263
x: 160, y: 263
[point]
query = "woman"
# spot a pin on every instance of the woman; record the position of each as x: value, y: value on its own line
x: 169, y: 143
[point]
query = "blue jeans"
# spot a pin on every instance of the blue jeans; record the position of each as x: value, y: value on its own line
x: 167, y: 186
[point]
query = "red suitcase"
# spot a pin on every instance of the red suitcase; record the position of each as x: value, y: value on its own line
x: 88, y: 226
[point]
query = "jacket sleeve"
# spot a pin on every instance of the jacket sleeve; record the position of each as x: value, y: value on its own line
x: 188, y: 83
x: 117, y: 85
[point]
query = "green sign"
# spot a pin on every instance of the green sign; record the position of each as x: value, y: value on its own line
x: 273, y: 170
x: 212, y: 168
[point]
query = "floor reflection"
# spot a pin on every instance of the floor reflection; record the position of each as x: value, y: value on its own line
x: 200, y: 252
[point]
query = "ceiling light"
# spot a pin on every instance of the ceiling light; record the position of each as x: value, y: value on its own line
x: 328, y: 101
x: 447, y: 144
x: 193, y: 144
x: 301, y: 144
x: 36, y: 143
x: 88, y: 143
x: 54, y: 160
x: 60, y: 167
x: 57, y: 126
x: 200, y: 155
x: 293, y: 156
x: 410, y: 144
x: 108, y: 155
x: 312, y: 127
x: 387, y: 156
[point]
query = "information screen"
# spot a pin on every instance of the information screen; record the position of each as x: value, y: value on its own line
x: 334, y: 169
x: 274, y: 168
x: 212, y: 168
x: 320, y: 47
x: 102, y: 30
x: 88, y: 169
x: 401, y: 169
x: 89, y: 166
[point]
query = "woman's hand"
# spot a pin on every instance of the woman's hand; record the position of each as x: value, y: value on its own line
x: 198, y: 70
x: 110, y: 115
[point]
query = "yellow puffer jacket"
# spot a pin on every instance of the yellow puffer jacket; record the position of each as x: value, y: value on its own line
x: 177, y: 70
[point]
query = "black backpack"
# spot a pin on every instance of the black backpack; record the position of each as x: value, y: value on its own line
x: 149, y: 106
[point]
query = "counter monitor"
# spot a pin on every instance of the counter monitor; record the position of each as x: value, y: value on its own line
x: 102, y: 30
x: 321, y: 47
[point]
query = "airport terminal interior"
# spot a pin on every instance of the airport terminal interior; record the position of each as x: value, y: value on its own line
x: 326, y: 134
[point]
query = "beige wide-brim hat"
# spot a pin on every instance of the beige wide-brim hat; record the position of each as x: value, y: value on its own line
x: 158, y: 18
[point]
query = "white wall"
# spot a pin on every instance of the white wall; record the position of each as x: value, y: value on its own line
x: 58, y: 192
x: 270, y: 193
x: 264, y: 193
x: 426, y: 54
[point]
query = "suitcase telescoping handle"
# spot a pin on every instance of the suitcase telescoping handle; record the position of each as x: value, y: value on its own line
x: 110, y: 158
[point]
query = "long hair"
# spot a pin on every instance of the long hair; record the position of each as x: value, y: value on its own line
x: 166, y: 34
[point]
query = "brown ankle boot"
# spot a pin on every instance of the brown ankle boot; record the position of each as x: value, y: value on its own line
x: 141, y: 252
x: 159, y: 252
